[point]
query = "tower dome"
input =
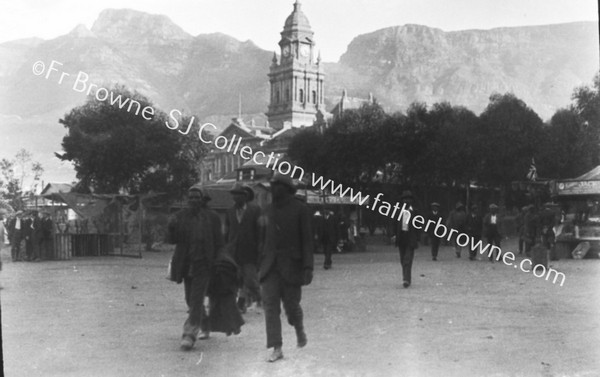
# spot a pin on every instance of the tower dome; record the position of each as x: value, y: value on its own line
x: 297, y: 20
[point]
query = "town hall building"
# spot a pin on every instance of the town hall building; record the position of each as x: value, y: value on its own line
x: 296, y: 101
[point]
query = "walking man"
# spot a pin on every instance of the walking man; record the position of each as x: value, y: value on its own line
x: 473, y: 228
x: 406, y: 238
x: 242, y: 229
x: 286, y: 262
x: 457, y: 220
x: 492, y: 230
x: 196, y: 233
x: 329, y: 237
x: 434, y: 216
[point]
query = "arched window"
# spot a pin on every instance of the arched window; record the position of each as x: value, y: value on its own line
x: 287, y: 95
x: 314, y: 97
x: 302, y: 95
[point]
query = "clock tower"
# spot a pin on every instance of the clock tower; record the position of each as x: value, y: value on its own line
x: 297, y: 77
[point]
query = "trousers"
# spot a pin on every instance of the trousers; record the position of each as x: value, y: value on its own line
x: 407, y: 255
x: 275, y: 291
x: 195, y: 291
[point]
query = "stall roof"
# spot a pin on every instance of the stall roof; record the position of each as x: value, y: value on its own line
x: 591, y: 175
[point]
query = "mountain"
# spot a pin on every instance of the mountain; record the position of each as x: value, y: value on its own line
x: 207, y: 75
x: 402, y: 64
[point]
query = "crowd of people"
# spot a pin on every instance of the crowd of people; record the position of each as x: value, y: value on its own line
x: 534, y: 228
x: 31, y: 236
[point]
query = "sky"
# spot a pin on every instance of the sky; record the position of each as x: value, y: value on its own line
x: 335, y: 22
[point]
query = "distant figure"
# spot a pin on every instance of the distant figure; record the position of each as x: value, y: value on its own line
x: 473, y: 229
x: 531, y: 229
x: 329, y: 237
x: 27, y: 234
x: 47, y: 240
x: 434, y: 216
x: 407, y: 237
x: 15, y: 232
x: 196, y: 233
x: 457, y: 219
x: 492, y: 230
x: 242, y: 230
x: 286, y: 262
x: 519, y: 224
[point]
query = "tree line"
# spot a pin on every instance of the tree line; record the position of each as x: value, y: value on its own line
x: 450, y: 146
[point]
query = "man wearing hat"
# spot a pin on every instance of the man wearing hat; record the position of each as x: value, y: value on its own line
x: 286, y: 262
x: 473, y: 229
x: 457, y: 219
x: 242, y: 229
x: 434, y: 216
x: 407, y: 237
x: 492, y: 225
x: 196, y: 233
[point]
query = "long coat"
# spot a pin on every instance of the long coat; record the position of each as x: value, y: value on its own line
x: 181, y: 232
x: 222, y: 290
x: 408, y: 238
x: 288, y: 244
x: 488, y: 229
x: 244, y: 235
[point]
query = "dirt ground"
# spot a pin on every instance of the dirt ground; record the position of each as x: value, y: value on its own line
x: 112, y: 316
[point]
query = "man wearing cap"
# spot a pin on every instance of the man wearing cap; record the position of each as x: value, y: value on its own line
x: 492, y: 229
x: 407, y: 237
x: 473, y: 229
x: 434, y: 216
x: 196, y: 233
x: 457, y: 220
x: 242, y: 229
x: 286, y: 262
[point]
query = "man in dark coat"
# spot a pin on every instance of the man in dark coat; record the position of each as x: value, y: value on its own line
x: 242, y: 229
x: 47, y: 239
x: 473, y: 229
x: 457, y: 220
x: 407, y: 237
x: 492, y: 230
x: 27, y: 235
x: 15, y: 233
x: 434, y: 216
x: 531, y: 229
x: 286, y: 262
x: 196, y: 232
x: 329, y: 237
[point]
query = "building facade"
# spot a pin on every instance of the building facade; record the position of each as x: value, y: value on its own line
x: 296, y: 77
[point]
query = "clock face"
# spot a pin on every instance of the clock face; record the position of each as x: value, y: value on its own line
x: 286, y: 51
x: 304, y: 50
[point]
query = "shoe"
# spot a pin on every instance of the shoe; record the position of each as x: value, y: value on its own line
x: 405, y: 284
x: 301, y: 337
x: 203, y: 335
x: 434, y: 258
x: 187, y: 343
x: 458, y: 254
x: 327, y: 267
x: 276, y: 355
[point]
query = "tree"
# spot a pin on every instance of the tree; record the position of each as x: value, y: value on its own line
x: 115, y: 150
x: 14, y: 177
x: 511, y: 134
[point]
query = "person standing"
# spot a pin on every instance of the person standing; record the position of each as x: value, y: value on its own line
x: 407, y: 237
x: 27, y: 234
x: 434, y: 216
x: 15, y: 233
x: 286, y: 262
x: 196, y: 233
x: 329, y: 237
x: 492, y: 230
x: 47, y: 241
x: 519, y: 224
x: 242, y: 229
x: 457, y: 219
x: 531, y: 229
x: 473, y: 229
